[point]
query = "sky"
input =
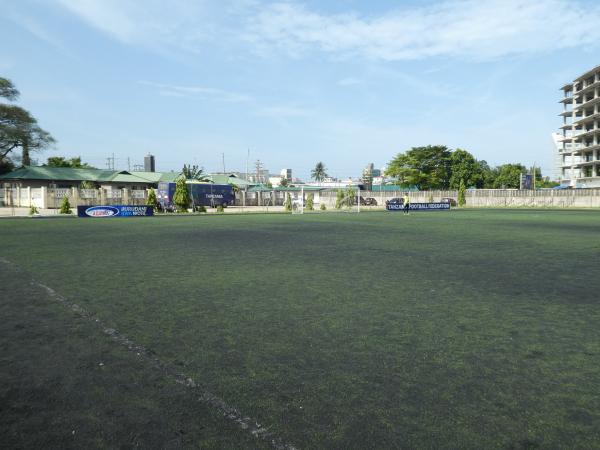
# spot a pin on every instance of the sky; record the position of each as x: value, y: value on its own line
x: 292, y: 83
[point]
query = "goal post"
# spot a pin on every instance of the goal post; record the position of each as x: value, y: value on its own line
x: 298, y: 203
x: 351, y: 200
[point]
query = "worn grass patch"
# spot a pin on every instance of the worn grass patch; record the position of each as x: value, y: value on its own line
x: 461, y: 329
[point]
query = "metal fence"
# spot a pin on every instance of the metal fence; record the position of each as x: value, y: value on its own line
x: 482, y: 198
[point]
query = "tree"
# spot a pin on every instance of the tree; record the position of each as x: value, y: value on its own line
x: 319, y: 172
x: 464, y: 168
x: 193, y: 172
x: 65, y: 206
x: 7, y: 90
x: 339, y: 199
x: 488, y: 175
x: 6, y: 165
x: 18, y: 128
x: 151, y: 200
x: 61, y: 161
x: 424, y: 167
x: 287, y: 206
x: 350, y: 195
x: 284, y: 182
x: 462, y: 200
x: 509, y: 176
x: 310, y: 204
x: 181, y: 197
x: 86, y: 184
x: 367, y: 178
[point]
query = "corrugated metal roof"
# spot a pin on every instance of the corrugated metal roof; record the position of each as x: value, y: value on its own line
x: 58, y: 173
x: 265, y: 188
x: 95, y: 175
x: 392, y: 188
x: 228, y: 179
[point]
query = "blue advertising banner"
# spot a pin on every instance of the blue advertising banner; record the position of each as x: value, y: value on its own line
x: 419, y: 207
x: 115, y: 211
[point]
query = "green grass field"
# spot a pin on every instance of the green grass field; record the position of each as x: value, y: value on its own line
x: 466, y: 329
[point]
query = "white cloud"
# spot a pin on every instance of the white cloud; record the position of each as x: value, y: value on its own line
x: 173, y: 90
x: 475, y: 29
x: 178, y: 24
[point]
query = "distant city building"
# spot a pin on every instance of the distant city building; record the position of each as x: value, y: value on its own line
x: 149, y: 164
x: 275, y: 180
x: 286, y: 173
x: 378, y: 180
x: 579, y: 145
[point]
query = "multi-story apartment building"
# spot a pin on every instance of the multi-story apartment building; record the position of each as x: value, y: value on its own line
x: 579, y: 150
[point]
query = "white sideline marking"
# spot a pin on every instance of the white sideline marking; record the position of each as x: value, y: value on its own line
x: 230, y: 413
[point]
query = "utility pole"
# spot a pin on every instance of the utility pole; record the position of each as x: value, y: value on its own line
x: 247, y: 158
x: 128, y: 164
x: 223, y: 156
x: 110, y: 162
x: 258, y: 166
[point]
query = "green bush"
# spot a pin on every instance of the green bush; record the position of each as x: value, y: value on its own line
x: 287, y: 206
x: 323, y: 207
x: 201, y: 208
x: 220, y: 209
x: 33, y: 210
x: 181, y: 198
x: 65, y: 206
x: 339, y: 199
x: 310, y: 203
x: 350, y: 194
x: 151, y: 200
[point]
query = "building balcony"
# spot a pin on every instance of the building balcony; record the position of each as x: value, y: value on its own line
x: 590, y: 148
x: 588, y: 88
x: 587, y: 104
x: 587, y: 74
x: 568, y: 99
x: 587, y: 119
x: 584, y: 134
x: 567, y: 87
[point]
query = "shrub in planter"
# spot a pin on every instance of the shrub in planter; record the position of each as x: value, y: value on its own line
x: 65, y: 206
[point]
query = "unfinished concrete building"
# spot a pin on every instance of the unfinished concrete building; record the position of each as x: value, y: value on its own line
x: 579, y: 148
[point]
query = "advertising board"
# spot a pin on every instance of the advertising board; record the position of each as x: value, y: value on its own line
x: 115, y: 211
x: 419, y: 207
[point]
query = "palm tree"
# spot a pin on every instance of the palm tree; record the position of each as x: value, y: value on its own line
x: 193, y: 172
x: 318, y: 173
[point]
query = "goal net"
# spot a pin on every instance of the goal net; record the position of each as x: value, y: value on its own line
x: 298, y: 203
x: 348, y: 200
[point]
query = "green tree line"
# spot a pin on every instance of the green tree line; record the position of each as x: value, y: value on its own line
x: 438, y: 167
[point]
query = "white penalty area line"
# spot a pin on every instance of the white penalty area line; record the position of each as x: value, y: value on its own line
x: 230, y: 413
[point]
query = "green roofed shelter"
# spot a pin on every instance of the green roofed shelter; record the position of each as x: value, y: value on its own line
x: 265, y: 188
x: 38, y: 176
x: 229, y: 179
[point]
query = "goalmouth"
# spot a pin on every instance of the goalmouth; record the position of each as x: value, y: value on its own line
x: 346, y: 200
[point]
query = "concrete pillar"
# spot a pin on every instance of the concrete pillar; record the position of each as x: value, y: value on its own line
x: 125, y: 196
x: 102, y: 196
x: 18, y: 196
x: 44, y: 203
x: 74, y: 197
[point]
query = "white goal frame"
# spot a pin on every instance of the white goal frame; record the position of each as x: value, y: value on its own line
x: 298, y: 203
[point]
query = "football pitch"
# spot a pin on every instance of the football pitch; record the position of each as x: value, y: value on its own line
x: 466, y: 329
